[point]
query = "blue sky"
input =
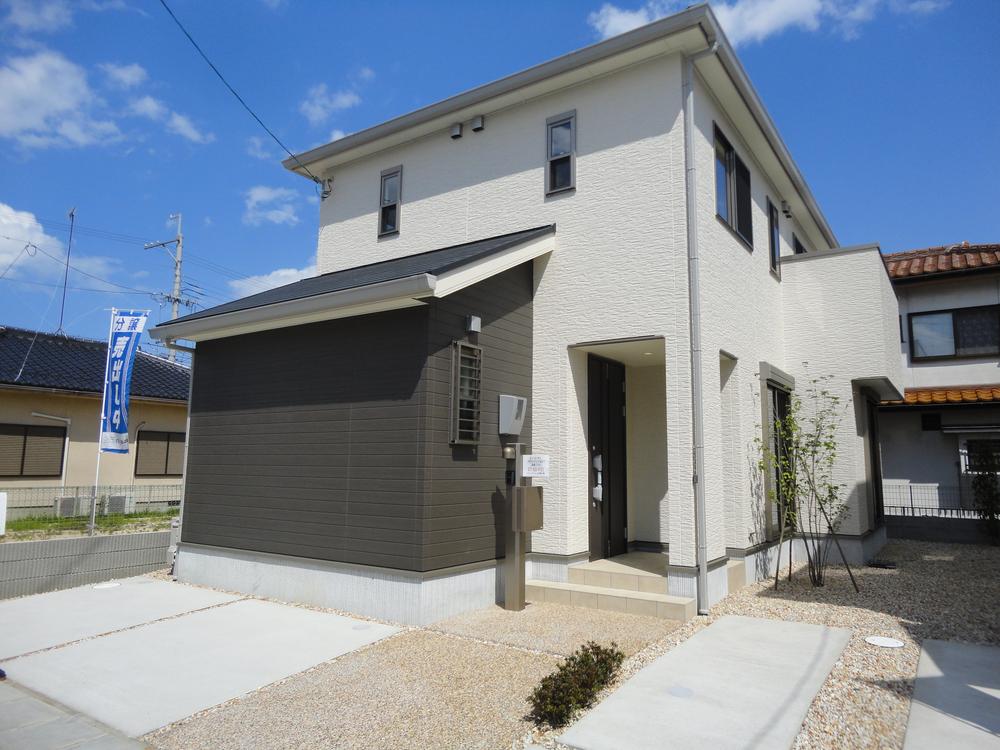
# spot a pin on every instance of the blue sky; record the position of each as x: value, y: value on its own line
x: 890, y: 108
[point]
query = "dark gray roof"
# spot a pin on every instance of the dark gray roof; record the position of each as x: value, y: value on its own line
x: 48, y: 360
x: 432, y: 262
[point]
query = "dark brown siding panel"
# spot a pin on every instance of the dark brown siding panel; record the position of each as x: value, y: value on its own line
x: 308, y: 441
x: 464, y: 504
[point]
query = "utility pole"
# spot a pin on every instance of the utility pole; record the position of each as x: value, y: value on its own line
x: 178, y: 257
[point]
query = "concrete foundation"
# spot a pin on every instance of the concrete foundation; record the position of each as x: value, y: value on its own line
x: 395, y: 595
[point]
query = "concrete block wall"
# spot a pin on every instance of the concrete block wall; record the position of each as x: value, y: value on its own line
x: 49, y: 565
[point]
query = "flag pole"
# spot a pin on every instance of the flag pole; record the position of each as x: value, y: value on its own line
x: 100, y: 425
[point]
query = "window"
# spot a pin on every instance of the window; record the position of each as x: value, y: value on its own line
x: 560, y: 151
x: 779, y: 403
x: 797, y: 245
x: 159, y: 454
x: 31, y: 450
x: 982, y: 456
x: 732, y: 189
x: 467, y: 370
x: 968, y: 332
x: 390, y: 197
x: 930, y: 422
x: 773, y: 235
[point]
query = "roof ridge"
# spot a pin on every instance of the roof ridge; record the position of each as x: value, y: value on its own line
x: 953, y: 248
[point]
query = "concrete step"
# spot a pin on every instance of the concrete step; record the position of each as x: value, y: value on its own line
x: 612, y: 599
x: 623, y: 579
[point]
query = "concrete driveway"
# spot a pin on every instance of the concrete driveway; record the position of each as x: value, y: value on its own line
x: 146, y: 653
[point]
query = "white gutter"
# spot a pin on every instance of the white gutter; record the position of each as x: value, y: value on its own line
x: 69, y: 423
x: 694, y: 317
x: 323, y: 306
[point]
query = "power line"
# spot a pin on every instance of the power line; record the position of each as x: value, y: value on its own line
x: 72, y: 288
x: 238, y: 97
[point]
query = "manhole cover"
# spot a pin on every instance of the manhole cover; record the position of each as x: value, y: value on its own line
x: 107, y: 585
x: 882, y: 642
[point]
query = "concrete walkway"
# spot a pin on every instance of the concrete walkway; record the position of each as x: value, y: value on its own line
x: 742, y: 682
x: 29, y: 721
x: 147, y: 653
x: 956, y: 698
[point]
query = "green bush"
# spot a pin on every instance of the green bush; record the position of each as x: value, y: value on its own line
x: 986, y: 493
x: 575, y: 684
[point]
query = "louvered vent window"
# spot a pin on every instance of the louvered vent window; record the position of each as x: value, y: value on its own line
x: 467, y: 372
x: 31, y: 451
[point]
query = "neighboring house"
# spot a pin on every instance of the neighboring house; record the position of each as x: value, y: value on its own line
x: 948, y: 424
x: 50, y: 404
x: 538, y: 237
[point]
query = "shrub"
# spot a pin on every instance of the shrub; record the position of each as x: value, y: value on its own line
x: 575, y: 684
x: 986, y: 491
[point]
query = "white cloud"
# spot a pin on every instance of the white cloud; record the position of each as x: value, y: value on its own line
x: 336, y: 134
x: 278, y: 277
x: 38, y: 15
x: 181, y: 125
x: 320, y: 103
x: 35, y: 265
x: 747, y: 21
x: 270, y: 204
x: 124, y: 76
x: 149, y: 107
x: 45, y: 100
x: 255, y: 148
x: 366, y: 74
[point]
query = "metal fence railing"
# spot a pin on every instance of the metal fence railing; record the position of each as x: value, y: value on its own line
x: 39, y: 512
x: 923, y: 497
x: 906, y: 510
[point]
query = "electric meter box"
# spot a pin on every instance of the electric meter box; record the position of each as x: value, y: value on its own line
x: 512, y: 411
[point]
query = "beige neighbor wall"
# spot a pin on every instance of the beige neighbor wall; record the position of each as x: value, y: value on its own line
x: 16, y: 407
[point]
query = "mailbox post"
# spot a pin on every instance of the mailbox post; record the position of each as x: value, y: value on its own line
x: 525, y: 515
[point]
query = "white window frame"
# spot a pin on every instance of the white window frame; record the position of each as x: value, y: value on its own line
x: 398, y: 203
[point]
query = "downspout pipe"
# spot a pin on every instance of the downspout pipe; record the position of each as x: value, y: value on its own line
x: 694, y: 318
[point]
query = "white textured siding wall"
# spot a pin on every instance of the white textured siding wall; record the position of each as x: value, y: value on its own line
x: 742, y: 316
x: 840, y: 318
x: 945, y: 295
x: 646, y: 446
x: 618, y: 270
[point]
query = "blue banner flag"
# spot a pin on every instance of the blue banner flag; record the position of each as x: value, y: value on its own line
x: 126, y: 328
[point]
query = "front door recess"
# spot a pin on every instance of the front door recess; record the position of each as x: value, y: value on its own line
x: 606, y: 436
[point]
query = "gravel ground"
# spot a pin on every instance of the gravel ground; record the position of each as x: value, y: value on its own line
x: 557, y: 628
x: 950, y: 592
x: 415, y: 690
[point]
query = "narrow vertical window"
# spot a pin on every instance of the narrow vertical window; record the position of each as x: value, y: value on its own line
x: 797, y: 247
x: 467, y: 370
x: 560, y: 167
x: 390, y: 197
x: 733, y: 202
x: 773, y: 235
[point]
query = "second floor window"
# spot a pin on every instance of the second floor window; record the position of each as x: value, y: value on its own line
x: 773, y: 235
x: 968, y: 332
x: 560, y: 150
x: 797, y: 245
x: 390, y: 198
x: 732, y: 189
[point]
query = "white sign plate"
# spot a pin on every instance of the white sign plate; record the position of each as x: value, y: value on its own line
x: 535, y: 465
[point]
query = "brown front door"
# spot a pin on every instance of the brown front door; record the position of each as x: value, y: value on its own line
x: 606, y: 436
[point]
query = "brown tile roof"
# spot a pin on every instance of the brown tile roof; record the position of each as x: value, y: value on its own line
x: 956, y: 394
x: 945, y: 259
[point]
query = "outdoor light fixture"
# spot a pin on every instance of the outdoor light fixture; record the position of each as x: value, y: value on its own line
x: 473, y: 324
x: 477, y: 123
x: 786, y: 209
x: 456, y: 131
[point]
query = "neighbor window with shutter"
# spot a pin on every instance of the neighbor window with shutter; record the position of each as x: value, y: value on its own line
x: 947, y: 334
x: 159, y: 454
x: 467, y: 372
x: 733, y: 203
x: 31, y: 450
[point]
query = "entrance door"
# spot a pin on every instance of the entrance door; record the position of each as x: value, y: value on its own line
x: 606, y: 435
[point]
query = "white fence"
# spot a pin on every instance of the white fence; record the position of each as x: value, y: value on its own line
x: 76, y: 501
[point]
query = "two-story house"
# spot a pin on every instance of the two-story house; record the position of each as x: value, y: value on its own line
x: 948, y: 424
x: 619, y: 235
